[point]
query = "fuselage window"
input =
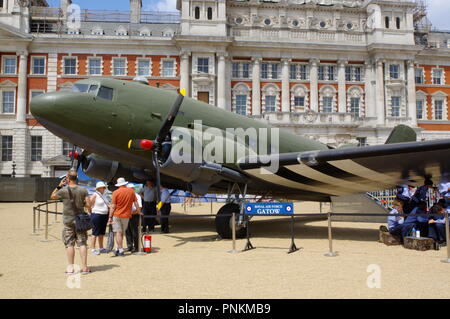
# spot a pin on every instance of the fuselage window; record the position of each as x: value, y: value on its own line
x: 80, y: 87
x: 93, y: 89
x: 106, y: 93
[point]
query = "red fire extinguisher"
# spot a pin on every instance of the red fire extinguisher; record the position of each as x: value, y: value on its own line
x: 147, y: 243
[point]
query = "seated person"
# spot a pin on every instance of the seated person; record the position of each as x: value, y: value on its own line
x: 395, y: 223
x: 403, y: 194
x: 422, y: 221
x: 412, y: 221
x: 436, y: 224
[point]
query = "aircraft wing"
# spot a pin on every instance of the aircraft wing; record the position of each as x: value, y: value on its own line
x: 355, y: 170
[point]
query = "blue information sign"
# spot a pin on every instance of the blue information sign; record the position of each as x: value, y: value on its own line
x: 269, y: 208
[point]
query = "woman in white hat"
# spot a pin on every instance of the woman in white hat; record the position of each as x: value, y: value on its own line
x: 100, y: 209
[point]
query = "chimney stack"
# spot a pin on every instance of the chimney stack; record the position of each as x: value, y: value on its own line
x: 135, y: 8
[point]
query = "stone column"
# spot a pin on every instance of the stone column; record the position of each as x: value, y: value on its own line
x: 184, y: 72
x: 256, y: 87
x: 52, y: 72
x: 314, y: 85
x: 380, y: 100
x: 285, y: 96
x: 412, y: 106
x: 342, y: 94
x: 370, y: 110
x: 221, y: 75
x: 22, y: 88
x: 135, y: 11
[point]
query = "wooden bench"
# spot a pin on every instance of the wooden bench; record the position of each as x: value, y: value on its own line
x: 421, y: 243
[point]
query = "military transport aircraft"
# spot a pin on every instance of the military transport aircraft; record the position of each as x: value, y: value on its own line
x: 124, y: 127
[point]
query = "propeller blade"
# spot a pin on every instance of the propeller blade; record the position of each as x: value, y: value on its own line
x: 157, y: 178
x: 165, y: 128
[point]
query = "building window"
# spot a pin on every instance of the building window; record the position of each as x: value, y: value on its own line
x: 303, y: 72
x: 353, y: 74
x: 235, y: 70
x: 358, y: 74
x: 327, y: 73
x: 327, y: 105
x: 293, y: 72
x: 168, y: 68
x: 245, y: 70
x: 299, y: 102
x: 120, y: 66
x: 271, y: 103
x: 66, y: 148
x: 419, y: 109
x: 437, y: 76
x: 241, y: 70
x: 9, y: 65
x: 438, y: 109
x: 419, y: 76
x: 143, y: 67
x: 270, y: 71
x: 70, y: 66
x: 210, y: 13
x: 38, y: 65
x: 362, y: 141
x: 197, y: 13
x: 36, y: 148
x: 7, y: 148
x: 241, y: 104
x: 386, y: 22
x: 8, y: 102
x: 321, y: 73
x: 95, y: 66
x: 354, y: 106
x: 398, y: 22
x: 395, y: 108
x: 331, y: 73
x: 35, y: 93
x: 203, y: 65
x: 394, y: 71
x: 348, y: 73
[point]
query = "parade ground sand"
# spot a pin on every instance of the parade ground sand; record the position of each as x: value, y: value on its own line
x: 191, y: 263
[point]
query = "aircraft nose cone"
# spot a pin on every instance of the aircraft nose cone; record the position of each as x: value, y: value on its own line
x: 42, y: 105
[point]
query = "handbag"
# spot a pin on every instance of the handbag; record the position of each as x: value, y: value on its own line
x: 83, y: 221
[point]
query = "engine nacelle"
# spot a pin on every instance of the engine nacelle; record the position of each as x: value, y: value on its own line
x: 108, y: 171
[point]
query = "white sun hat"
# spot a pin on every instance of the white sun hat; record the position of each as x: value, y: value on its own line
x: 121, y: 182
x: 100, y: 185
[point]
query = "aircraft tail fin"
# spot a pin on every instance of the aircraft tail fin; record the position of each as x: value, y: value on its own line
x: 402, y: 134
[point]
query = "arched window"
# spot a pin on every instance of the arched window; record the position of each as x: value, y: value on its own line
x: 397, y: 21
x: 241, y: 99
x: 299, y: 99
x: 197, y: 13
x: 271, y: 98
x: 327, y: 99
x: 386, y: 22
x: 210, y: 13
x: 355, y: 101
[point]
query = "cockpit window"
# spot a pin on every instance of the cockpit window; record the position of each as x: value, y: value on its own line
x: 93, y: 88
x: 105, y: 93
x: 80, y: 87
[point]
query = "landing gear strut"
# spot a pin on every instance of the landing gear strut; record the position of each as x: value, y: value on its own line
x: 224, y: 220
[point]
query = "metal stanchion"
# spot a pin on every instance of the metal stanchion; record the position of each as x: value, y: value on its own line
x: 447, y: 238
x: 140, y: 249
x: 330, y: 239
x: 46, y: 224
x: 233, y: 232
x: 248, y: 245
x: 39, y: 218
x: 34, y: 222
x: 293, y: 247
x: 211, y: 206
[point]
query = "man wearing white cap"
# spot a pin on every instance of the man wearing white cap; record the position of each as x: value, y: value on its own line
x: 121, y: 211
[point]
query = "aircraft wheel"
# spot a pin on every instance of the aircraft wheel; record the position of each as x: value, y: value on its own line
x: 224, y: 223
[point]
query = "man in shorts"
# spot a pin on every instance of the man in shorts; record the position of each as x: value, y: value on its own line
x: 120, y: 212
x: 69, y: 235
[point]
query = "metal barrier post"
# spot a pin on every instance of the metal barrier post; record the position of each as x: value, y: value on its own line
x: 211, y: 206
x: 330, y: 239
x: 46, y: 223
x: 34, y: 222
x: 447, y: 238
x: 293, y: 247
x: 39, y: 218
x: 233, y: 233
x: 140, y: 249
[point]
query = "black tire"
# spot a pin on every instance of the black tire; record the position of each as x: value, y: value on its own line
x: 223, y: 223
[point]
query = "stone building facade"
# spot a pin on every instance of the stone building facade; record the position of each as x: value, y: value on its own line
x: 340, y: 71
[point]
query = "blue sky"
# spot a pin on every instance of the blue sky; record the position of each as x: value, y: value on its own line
x: 438, y: 10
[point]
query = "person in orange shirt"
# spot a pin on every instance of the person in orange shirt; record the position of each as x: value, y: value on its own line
x: 120, y: 212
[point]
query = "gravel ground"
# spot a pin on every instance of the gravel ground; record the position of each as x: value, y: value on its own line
x: 191, y: 263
